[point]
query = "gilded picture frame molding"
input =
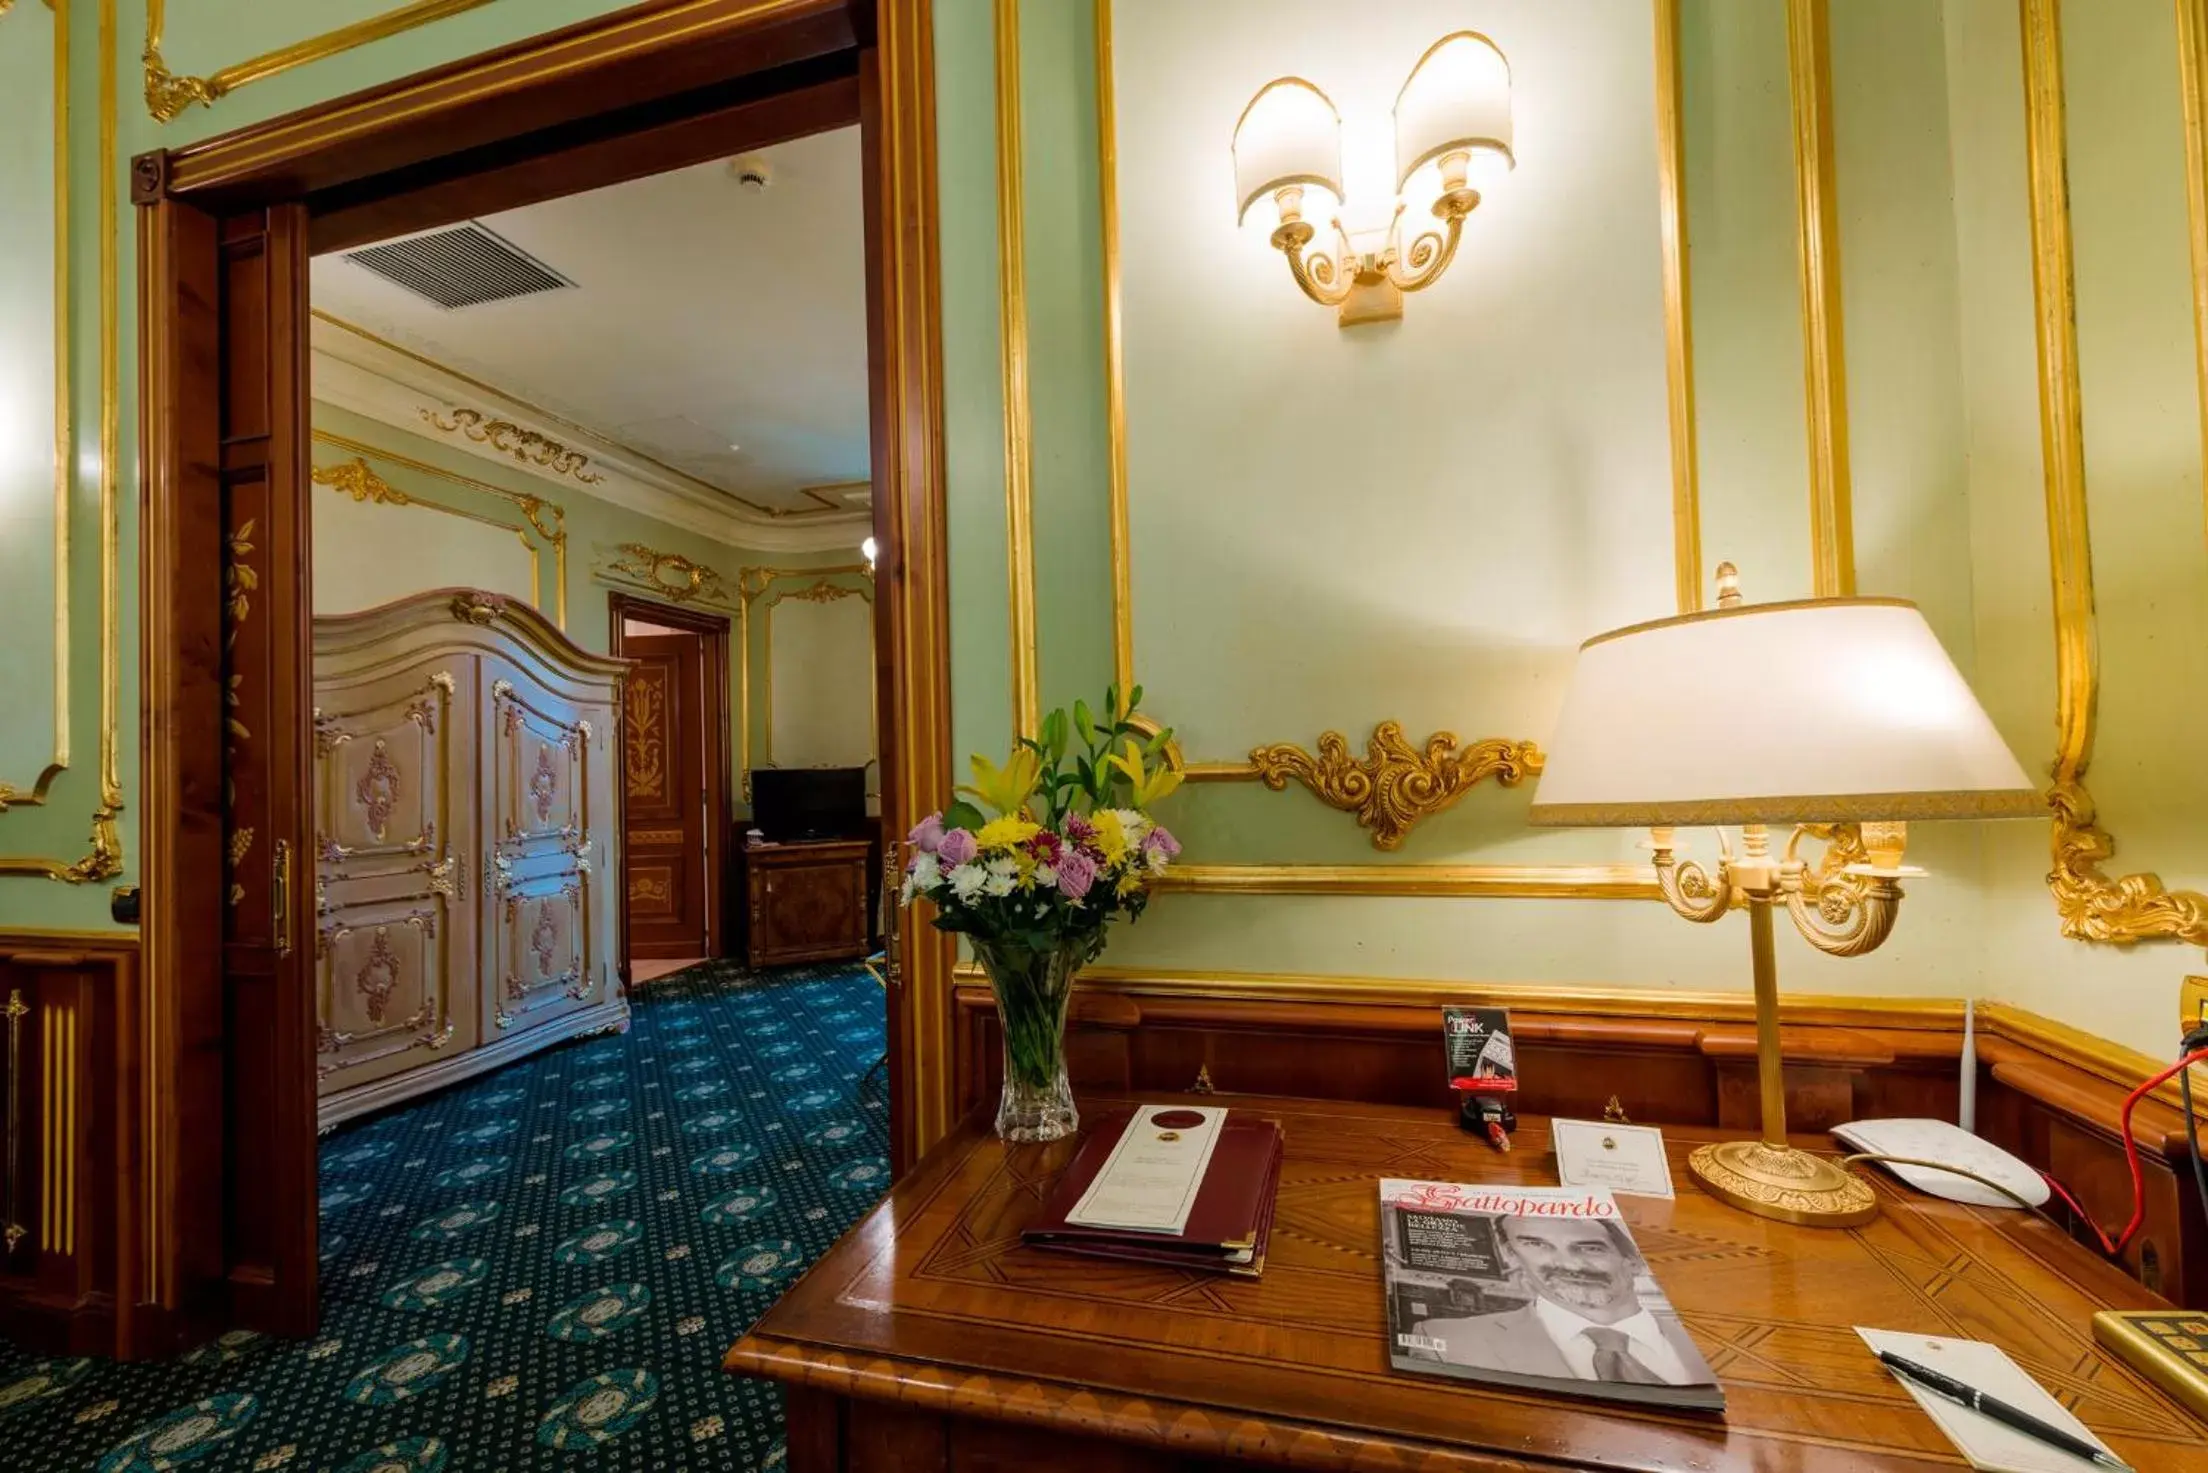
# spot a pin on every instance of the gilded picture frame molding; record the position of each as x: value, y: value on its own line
x: 752, y: 585
x: 2091, y: 904
x: 547, y: 519
x: 1824, y: 351
x: 33, y: 794
x: 104, y: 860
x: 168, y: 94
x: 357, y: 479
x: 1594, y: 881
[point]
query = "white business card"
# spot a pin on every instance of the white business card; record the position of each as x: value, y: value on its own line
x: 1622, y: 1158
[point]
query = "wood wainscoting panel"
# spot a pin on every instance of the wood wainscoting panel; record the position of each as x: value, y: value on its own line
x: 65, y: 1148
x: 1667, y: 1058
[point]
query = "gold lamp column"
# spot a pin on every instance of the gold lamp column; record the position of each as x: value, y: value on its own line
x: 1842, y: 717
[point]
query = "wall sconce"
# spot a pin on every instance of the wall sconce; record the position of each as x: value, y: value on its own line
x: 1452, y: 137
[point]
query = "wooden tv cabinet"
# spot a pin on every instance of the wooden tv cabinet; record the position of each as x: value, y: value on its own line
x: 808, y: 902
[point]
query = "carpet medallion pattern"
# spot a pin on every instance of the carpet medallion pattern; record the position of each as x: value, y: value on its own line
x: 540, y: 1269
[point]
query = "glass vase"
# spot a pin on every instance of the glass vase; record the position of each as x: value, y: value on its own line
x: 1033, y: 989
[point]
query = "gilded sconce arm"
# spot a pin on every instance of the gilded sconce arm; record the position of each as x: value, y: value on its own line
x: 1687, y: 887
x: 1319, y: 275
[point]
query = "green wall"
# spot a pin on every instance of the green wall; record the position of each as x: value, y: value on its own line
x: 1944, y: 443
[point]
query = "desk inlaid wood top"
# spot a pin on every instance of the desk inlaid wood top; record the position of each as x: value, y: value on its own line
x: 934, y: 1304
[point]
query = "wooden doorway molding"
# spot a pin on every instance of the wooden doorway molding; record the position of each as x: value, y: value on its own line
x: 711, y: 632
x: 223, y: 1148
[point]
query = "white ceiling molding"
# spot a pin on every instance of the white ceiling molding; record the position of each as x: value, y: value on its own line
x: 360, y: 373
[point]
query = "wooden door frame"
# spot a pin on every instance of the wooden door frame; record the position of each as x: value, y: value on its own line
x: 713, y: 632
x: 630, y: 93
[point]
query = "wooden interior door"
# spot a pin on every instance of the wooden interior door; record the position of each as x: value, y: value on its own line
x: 665, y: 764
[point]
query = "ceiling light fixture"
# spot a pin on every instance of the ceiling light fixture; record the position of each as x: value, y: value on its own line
x: 1452, y: 138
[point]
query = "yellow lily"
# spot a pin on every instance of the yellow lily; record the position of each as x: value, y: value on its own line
x: 1147, y: 787
x: 1008, y: 788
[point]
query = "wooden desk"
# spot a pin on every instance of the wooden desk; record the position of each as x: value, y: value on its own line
x: 930, y: 1338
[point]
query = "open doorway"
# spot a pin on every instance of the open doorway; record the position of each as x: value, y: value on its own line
x: 227, y: 229
x: 674, y: 784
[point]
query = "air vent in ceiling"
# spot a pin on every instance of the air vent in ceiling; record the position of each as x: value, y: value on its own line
x: 464, y: 266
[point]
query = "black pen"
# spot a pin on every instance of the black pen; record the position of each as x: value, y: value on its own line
x: 1999, y: 1410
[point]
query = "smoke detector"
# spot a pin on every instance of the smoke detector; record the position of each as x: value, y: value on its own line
x: 752, y: 172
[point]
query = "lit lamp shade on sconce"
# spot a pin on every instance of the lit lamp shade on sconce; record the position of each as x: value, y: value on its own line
x: 1452, y: 138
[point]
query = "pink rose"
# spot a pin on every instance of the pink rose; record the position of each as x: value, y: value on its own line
x: 1158, y: 841
x: 955, y: 848
x: 1076, y: 873
x: 927, y: 835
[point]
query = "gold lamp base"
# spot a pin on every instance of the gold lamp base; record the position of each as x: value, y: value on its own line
x: 1783, y: 1183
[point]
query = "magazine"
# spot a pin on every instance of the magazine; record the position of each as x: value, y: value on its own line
x: 1541, y: 1288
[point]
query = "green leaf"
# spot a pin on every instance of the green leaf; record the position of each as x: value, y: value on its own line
x: 1084, y: 723
x: 962, y: 815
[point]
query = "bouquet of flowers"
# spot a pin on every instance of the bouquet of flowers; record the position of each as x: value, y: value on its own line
x: 1054, y: 845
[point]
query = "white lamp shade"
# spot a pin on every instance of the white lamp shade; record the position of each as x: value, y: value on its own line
x: 1289, y: 134
x: 1457, y: 100
x: 1819, y: 711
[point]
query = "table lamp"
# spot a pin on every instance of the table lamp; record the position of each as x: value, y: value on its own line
x: 1843, y: 716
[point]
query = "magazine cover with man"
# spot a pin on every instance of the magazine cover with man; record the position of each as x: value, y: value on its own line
x: 1534, y: 1287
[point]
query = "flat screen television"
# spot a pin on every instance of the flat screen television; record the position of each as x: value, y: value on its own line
x: 789, y: 804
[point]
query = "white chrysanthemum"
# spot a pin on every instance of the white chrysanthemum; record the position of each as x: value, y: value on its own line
x: 927, y: 874
x: 967, y: 880
x: 1156, y: 860
x: 1046, y: 876
x: 1001, y: 879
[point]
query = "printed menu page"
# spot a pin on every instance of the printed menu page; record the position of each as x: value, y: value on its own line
x: 1149, y: 1182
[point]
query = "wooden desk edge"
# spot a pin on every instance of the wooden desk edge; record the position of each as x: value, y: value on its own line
x: 1183, y: 1428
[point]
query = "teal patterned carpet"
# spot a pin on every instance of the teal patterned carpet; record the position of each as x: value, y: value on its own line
x: 539, y: 1269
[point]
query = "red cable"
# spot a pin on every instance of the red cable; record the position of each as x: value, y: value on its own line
x: 2131, y: 1159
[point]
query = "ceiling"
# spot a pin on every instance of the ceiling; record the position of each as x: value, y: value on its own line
x: 716, y: 329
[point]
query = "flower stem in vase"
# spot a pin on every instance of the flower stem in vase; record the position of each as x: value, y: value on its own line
x: 1033, y: 990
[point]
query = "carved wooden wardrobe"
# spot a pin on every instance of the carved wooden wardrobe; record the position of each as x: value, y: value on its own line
x: 466, y: 825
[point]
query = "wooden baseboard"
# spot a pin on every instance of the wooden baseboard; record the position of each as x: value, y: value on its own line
x: 2046, y: 1092
x: 335, y: 1109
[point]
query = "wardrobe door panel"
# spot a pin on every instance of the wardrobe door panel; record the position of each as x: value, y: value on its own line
x: 395, y: 951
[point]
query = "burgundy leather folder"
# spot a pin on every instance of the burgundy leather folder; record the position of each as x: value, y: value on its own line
x: 1227, y: 1226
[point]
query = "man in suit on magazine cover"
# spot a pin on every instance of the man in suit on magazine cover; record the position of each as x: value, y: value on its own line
x: 1586, y: 1322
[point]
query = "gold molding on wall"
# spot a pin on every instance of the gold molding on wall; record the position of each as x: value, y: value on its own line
x: 104, y: 861
x: 2093, y: 906
x: 820, y: 591
x: 1019, y: 506
x: 1395, y: 786
x: 526, y: 447
x: 752, y: 584
x: 34, y: 795
x: 534, y: 508
x: 1671, y: 216
x: 357, y: 479
x: 695, y: 581
x: 2192, y: 76
x: 1574, y: 881
x: 168, y: 94
x: 1825, y: 365
x: 1115, y: 363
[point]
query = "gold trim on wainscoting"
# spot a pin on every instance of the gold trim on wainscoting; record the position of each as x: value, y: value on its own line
x: 1019, y: 450
x: 2093, y: 905
x: 1591, y: 999
x: 357, y: 479
x: 1825, y: 359
x: 104, y: 861
x: 33, y: 796
x: 1564, y: 881
x: 168, y: 95
x: 534, y: 508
